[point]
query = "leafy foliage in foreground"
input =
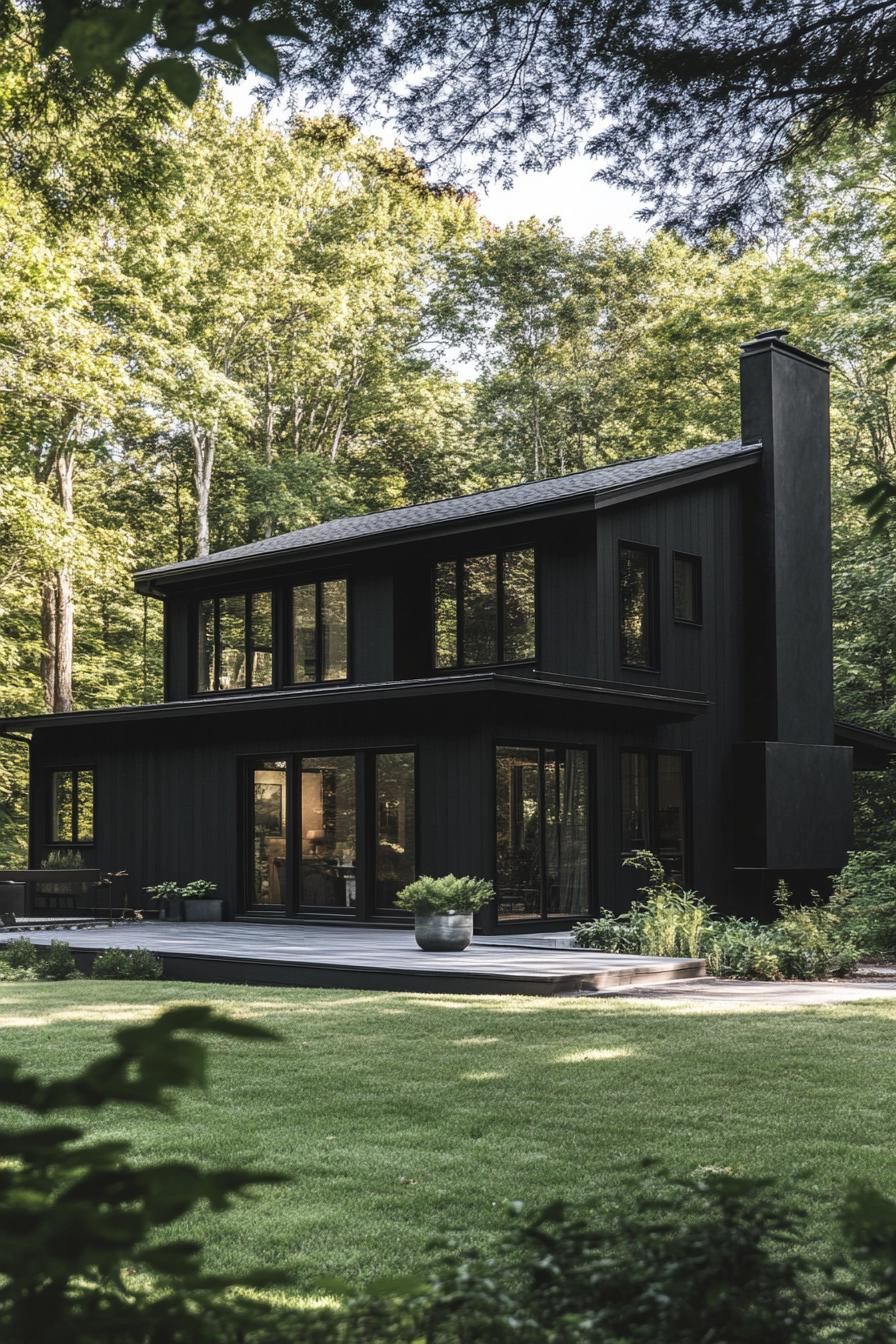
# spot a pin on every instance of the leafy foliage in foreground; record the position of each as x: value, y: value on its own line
x: 119, y: 963
x: 79, y: 1258
x: 808, y: 942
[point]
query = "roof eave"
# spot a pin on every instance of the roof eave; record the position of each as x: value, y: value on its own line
x: 153, y: 582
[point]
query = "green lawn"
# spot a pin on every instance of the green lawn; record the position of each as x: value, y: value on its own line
x: 405, y: 1116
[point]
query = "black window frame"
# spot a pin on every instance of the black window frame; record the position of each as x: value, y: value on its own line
x: 459, y: 561
x: 249, y: 645
x: 697, y: 562
x: 653, y: 754
x: 77, y: 842
x: 542, y: 747
x: 653, y: 589
x: 290, y: 651
x: 364, y: 759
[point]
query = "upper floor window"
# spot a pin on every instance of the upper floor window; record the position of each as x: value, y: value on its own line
x: 71, y: 820
x: 484, y: 609
x: 687, y: 597
x: 320, y: 631
x: 235, y: 642
x: 637, y: 605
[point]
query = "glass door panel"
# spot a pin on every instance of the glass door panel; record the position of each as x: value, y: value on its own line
x: 269, y: 827
x: 519, y: 817
x: 328, y: 829
x: 395, y: 852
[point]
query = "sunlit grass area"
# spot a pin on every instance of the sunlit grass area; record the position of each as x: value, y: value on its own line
x: 403, y: 1117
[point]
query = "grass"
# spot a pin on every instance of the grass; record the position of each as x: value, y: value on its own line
x: 401, y: 1117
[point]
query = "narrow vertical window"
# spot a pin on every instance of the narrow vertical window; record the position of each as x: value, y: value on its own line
x: 64, y: 805
x: 71, y: 807
x: 637, y: 584
x: 518, y: 614
x: 269, y: 833
x: 328, y: 815
x: 320, y: 631
x: 445, y: 614
x: 395, y: 857
x: 206, y: 679
x: 334, y: 630
x: 518, y: 832
x: 636, y: 828
x: 304, y: 632
x: 480, y: 610
x: 686, y: 589
x: 262, y: 640
x: 671, y: 808
x: 232, y: 643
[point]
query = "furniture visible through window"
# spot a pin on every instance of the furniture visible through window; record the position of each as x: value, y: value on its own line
x: 320, y: 631
x: 328, y: 833
x: 269, y: 833
x: 236, y: 647
x: 655, y: 807
x: 687, y: 595
x: 71, y: 814
x: 484, y: 610
x: 637, y: 606
x: 542, y: 827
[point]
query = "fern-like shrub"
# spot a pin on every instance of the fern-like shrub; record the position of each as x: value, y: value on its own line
x: 445, y: 895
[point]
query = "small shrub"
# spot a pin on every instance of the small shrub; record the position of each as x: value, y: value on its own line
x: 865, y: 891
x: 21, y: 955
x: 57, y: 963
x: 118, y: 963
x: 445, y: 895
x: 164, y: 891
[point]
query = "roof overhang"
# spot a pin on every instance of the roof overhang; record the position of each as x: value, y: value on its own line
x: 658, y: 702
x: 871, y: 750
x: 153, y: 582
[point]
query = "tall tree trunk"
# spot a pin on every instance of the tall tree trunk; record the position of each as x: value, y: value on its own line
x: 48, y: 640
x: 65, y: 597
x: 267, y: 431
x: 203, y: 462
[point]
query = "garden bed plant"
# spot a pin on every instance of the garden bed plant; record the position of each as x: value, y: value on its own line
x: 804, y: 942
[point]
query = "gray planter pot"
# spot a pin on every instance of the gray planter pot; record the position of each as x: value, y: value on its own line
x: 444, y: 933
x: 172, y: 908
x: 196, y: 912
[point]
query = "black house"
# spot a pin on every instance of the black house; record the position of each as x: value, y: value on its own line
x: 524, y: 684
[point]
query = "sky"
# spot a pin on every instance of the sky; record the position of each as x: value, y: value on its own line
x: 567, y: 193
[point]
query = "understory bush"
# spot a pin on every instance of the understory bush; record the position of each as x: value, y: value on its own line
x: 21, y: 960
x: 119, y: 963
x: 866, y: 889
x: 804, y: 942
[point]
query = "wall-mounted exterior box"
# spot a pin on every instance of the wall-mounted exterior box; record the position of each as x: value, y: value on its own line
x: 794, y: 804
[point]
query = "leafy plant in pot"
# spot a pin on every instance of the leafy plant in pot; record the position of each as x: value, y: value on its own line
x: 443, y: 909
x: 200, y: 901
x: 168, y: 895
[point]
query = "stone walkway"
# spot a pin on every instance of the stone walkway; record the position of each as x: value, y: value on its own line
x: 878, y: 983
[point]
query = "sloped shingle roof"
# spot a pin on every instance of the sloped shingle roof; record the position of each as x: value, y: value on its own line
x: 509, y: 499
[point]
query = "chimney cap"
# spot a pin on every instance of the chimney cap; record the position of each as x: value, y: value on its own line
x: 773, y: 334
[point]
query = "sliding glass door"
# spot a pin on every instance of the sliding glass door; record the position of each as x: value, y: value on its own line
x: 542, y: 832
x: 328, y: 827
x: 332, y: 833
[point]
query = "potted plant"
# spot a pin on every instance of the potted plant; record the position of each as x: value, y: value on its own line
x: 200, y: 902
x: 443, y: 909
x: 168, y: 895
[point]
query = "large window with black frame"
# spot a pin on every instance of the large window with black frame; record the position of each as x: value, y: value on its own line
x: 542, y: 831
x: 320, y: 631
x: 484, y: 609
x: 236, y: 649
x: 638, y: 638
x: 655, y: 807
